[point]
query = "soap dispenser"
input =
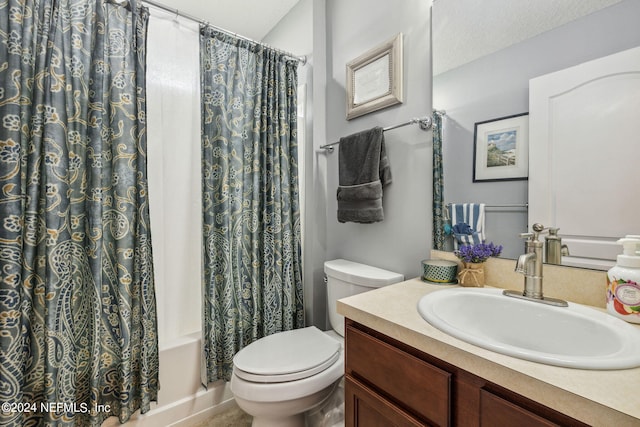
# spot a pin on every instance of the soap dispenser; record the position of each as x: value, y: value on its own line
x: 623, y: 282
x: 553, y: 247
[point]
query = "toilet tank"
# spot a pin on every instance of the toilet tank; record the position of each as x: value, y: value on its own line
x: 346, y: 278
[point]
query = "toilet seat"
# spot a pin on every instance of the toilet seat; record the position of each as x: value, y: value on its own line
x: 287, y: 356
x: 282, y: 392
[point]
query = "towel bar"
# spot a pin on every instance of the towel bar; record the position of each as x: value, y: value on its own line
x: 424, y: 122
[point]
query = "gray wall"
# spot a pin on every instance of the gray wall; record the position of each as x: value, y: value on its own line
x: 294, y: 32
x: 497, y: 86
x: 341, y: 31
x: 404, y: 237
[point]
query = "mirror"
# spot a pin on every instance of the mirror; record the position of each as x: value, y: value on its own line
x: 484, y: 54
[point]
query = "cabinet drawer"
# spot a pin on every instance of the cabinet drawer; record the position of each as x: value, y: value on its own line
x: 409, y: 382
x: 496, y: 411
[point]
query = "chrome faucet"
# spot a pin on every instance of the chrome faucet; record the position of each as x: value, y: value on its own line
x: 530, y: 264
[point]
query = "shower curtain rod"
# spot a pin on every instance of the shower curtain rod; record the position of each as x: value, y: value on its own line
x: 301, y: 59
x: 424, y: 122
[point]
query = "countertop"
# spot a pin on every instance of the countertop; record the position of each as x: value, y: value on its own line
x: 599, y: 398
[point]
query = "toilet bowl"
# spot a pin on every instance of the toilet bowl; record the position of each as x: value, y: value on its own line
x: 278, y: 378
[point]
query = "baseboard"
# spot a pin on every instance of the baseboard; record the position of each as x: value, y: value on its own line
x: 205, y: 414
x: 183, y: 412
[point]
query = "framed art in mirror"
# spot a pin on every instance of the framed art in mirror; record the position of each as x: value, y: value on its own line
x: 501, y: 149
x: 374, y: 79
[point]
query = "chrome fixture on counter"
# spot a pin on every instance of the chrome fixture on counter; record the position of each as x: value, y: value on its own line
x: 554, y: 250
x: 530, y: 264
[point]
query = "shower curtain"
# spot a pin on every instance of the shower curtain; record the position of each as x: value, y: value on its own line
x: 77, y: 305
x: 251, y: 220
x: 175, y: 194
x: 438, y: 185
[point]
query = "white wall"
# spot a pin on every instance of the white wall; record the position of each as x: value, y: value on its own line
x: 497, y: 85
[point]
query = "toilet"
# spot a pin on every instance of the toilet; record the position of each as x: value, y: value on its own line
x: 278, y: 378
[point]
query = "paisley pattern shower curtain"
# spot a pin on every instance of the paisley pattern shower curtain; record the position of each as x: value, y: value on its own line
x: 438, y: 185
x: 251, y: 217
x: 77, y: 307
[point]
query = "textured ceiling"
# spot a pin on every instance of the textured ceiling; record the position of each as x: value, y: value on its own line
x: 465, y: 30
x: 249, y: 18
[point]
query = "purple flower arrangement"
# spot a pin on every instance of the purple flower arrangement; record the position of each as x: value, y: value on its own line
x: 479, y: 252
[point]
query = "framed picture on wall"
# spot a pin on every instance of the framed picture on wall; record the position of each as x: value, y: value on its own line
x: 374, y: 79
x: 501, y: 149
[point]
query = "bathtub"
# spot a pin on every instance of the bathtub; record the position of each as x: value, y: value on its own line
x: 182, y: 400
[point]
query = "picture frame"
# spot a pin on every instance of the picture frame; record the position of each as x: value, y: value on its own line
x: 374, y: 79
x: 501, y: 149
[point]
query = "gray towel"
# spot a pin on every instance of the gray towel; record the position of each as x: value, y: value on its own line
x: 363, y: 172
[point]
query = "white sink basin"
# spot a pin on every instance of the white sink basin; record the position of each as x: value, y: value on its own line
x: 573, y: 337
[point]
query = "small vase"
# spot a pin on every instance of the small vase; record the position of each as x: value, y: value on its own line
x: 472, y: 275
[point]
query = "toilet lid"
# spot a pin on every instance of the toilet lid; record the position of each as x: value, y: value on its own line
x: 287, y: 356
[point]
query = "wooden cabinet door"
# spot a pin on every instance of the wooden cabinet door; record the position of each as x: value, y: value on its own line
x: 412, y: 383
x: 365, y: 408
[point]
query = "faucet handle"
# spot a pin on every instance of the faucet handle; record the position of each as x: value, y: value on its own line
x: 538, y: 228
x: 527, y: 236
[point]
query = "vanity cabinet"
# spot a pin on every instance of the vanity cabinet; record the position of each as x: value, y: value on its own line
x: 389, y: 383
